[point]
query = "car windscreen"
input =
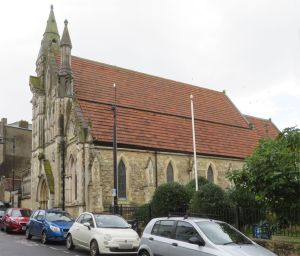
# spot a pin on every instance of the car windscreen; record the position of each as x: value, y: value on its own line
x: 21, y: 213
x: 58, y: 216
x: 221, y: 233
x: 110, y: 221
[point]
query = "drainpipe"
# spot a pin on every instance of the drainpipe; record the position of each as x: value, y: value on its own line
x: 156, y: 169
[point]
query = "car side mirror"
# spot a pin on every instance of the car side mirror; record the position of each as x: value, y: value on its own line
x: 129, y: 225
x: 87, y: 224
x: 196, y: 240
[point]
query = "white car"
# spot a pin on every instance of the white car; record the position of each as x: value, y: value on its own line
x: 103, y: 234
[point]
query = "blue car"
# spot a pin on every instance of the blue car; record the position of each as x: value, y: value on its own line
x: 49, y: 225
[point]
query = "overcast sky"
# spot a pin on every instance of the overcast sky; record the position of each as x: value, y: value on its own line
x: 250, y: 48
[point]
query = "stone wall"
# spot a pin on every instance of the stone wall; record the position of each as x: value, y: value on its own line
x: 281, y: 248
x: 142, y: 176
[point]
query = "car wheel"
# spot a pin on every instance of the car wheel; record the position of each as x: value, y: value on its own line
x: 6, y: 229
x: 69, y: 242
x: 143, y: 253
x: 94, y: 249
x: 44, y: 238
x: 27, y: 234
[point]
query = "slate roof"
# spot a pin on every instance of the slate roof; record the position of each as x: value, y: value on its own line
x: 155, y: 113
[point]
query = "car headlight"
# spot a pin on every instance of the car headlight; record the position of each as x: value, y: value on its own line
x: 55, y: 229
x: 107, y: 237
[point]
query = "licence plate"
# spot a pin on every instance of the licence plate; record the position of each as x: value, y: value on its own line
x: 23, y: 227
x: 125, y: 246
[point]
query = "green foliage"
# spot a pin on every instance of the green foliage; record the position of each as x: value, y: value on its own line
x: 242, y: 198
x: 169, y: 197
x: 49, y: 175
x: 209, y: 197
x: 191, y: 186
x: 143, y: 213
x: 272, y: 172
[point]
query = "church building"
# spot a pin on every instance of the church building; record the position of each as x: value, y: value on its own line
x: 72, y: 131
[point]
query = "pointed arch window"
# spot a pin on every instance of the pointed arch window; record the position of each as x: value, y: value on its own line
x: 121, y: 180
x: 75, y: 186
x: 170, y: 174
x: 210, y: 174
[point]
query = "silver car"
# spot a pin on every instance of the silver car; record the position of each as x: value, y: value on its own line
x: 178, y: 236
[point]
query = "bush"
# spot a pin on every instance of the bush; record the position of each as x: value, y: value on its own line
x: 209, y: 197
x: 191, y: 186
x: 168, y: 198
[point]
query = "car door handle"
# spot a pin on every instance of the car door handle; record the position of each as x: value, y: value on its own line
x: 174, y: 244
x: 151, y: 238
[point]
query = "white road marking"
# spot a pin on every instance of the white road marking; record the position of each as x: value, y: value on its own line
x: 53, y: 248
x: 27, y: 243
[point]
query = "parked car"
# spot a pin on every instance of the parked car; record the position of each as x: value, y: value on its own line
x: 103, y: 233
x: 178, y: 236
x: 15, y: 219
x: 2, y: 213
x: 49, y: 225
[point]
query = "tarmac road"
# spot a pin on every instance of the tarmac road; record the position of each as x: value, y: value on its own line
x: 18, y: 245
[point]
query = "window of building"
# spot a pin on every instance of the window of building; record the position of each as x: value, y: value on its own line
x: 75, y: 189
x: 210, y: 174
x: 170, y: 174
x: 121, y: 180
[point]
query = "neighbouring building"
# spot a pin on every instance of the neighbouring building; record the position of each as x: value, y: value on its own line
x: 72, y: 136
x: 15, y: 157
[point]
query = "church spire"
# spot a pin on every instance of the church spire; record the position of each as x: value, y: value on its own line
x: 51, y: 29
x: 51, y: 36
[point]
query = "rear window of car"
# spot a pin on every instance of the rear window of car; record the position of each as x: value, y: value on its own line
x: 163, y: 228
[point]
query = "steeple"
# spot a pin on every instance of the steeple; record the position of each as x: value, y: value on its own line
x: 51, y: 36
x: 51, y: 29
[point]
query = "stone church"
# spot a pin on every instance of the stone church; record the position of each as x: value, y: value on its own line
x: 72, y: 133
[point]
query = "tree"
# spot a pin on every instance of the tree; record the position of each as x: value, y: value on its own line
x: 272, y: 171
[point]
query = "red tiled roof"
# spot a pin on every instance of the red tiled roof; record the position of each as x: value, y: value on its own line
x: 264, y: 127
x: 155, y: 113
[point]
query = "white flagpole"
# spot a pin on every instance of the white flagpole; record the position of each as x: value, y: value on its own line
x: 194, y: 142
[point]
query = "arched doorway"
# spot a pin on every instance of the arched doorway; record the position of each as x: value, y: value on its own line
x: 43, y: 195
